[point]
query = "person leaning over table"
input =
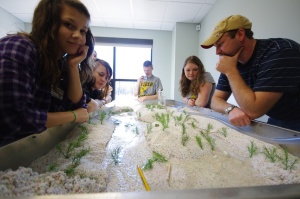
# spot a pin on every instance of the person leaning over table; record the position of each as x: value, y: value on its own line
x: 196, y: 85
x: 148, y: 86
x: 31, y: 66
x: 262, y: 74
x: 98, y: 89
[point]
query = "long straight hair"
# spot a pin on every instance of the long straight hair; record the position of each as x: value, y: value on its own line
x: 45, y: 25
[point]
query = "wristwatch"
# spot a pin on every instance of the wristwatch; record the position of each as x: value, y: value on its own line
x: 229, y: 108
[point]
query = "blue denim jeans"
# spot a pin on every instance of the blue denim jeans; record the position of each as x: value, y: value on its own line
x: 288, y: 124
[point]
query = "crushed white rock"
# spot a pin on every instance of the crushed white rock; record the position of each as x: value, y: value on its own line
x: 188, y: 167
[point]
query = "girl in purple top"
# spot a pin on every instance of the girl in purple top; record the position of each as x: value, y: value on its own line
x: 41, y: 72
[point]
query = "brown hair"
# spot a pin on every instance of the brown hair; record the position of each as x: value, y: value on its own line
x: 186, y: 85
x: 109, y: 74
x: 45, y: 26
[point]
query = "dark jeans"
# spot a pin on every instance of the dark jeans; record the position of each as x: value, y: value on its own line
x: 288, y: 124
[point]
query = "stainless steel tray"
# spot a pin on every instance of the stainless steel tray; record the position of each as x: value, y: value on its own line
x: 288, y: 139
x: 26, y: 150
x: 23, y: 152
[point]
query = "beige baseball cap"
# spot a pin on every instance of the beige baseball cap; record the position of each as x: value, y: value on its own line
x: 232, y: 22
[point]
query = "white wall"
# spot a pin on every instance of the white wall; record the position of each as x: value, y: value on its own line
x: 270, y: 18
x: 185, y: 43
x: 9, y: 24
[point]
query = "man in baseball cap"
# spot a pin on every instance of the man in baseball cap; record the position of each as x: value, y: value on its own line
x: 232, y: 22
x: 263, y: 75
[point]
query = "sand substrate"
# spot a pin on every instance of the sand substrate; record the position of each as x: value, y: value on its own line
x: 106, y: 154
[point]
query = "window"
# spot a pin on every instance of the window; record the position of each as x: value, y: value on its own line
x: 126, y: 57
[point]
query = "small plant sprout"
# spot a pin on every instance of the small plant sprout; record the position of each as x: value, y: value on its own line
x: 223, y: 131
x: 270, y: 153
x: 90, y: 118
x: 115, y: 155
x: 184, y: 136
x: 52, y: 167
x: 150, y: 106
x: 211, y: 142
x: 193, y: 125
x: 72, y: 145
x: 139, y: 115
x: 163, y: 119
x: 286, y: 161
x: 199, y: 141
x: 136, y: 131
x: 102, y: 116
x: 70, y: 170
x: 149, y: 128
x: 156, y: 157
x: 83, y: 128
x: 206, y: 131
x: 252, y: 149
x: 177, y: 119
x: 77, y: 157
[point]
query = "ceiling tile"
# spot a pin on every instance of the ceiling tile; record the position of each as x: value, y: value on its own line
x: 147, y: 25
x: 115, y: 9
x: 202, y: 13
x: 141, y: 14
x: 148, y: 10
x: 17, y: 6
x: 118, y: 23
x: 169, y: 26
x: 180, y: 12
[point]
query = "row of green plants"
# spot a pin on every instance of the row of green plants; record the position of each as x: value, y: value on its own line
x: 68, y: 150
x: 273, y: 156
x: 205, y: 134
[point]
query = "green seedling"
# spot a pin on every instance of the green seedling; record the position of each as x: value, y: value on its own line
x: 211, y: 142
x: 156, y: 157
x: 286, y: 161
x: 184, y: 136
x: 270, y: 153
x: 102, y: 116
x: 136, y: 131
x: 53, y: 167
x: 199, y: 141
x: 223, y: 131
x: 206, y: 131
x: 72, y: 145
x: 252, y: 149
x: 115, y: 155
x: 193, y: 125
x: 163, y: 119
x: 83, y: 128
x: 70, y: 170
x: 149, y: 128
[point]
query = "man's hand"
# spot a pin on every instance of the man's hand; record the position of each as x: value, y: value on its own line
x: 238, y: 118
x: 228, y: 64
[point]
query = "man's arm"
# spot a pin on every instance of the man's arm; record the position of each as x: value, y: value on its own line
x: 219, y: 101
x: 236, y: 116
x: 254, y: 104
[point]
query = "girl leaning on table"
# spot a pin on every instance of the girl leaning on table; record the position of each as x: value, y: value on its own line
x: 42, y: 71
x: 196, y: 85
x: 98, y: 90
